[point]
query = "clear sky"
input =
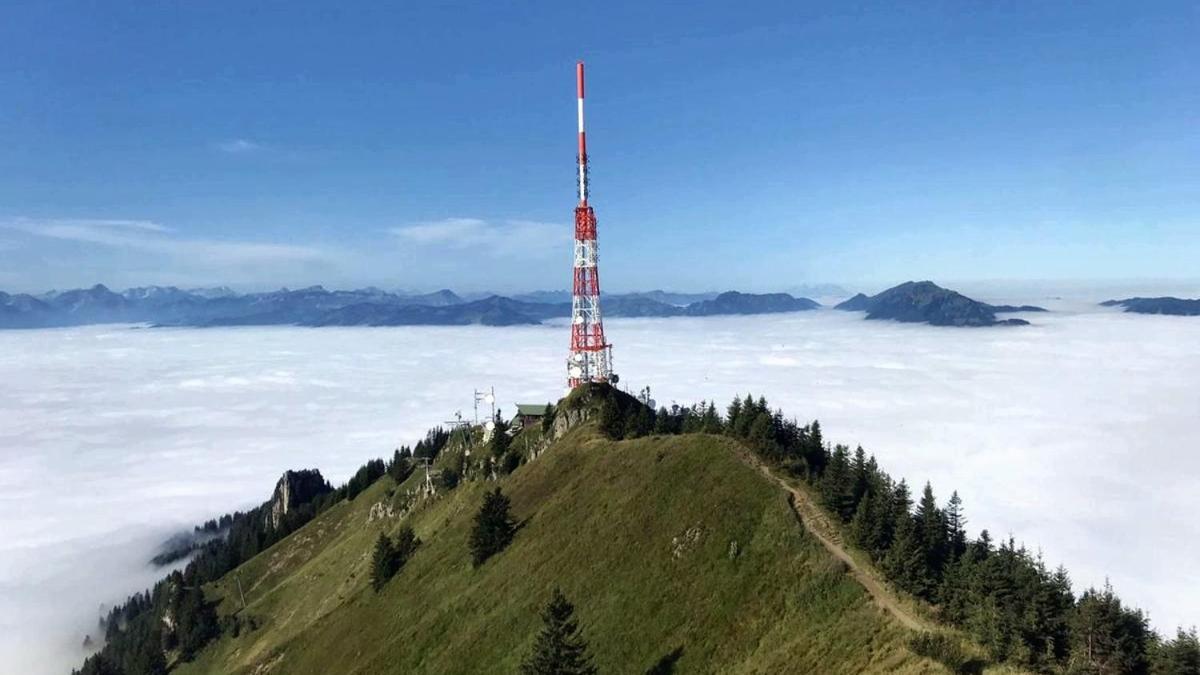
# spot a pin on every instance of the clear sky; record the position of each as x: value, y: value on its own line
x: 753, y: 146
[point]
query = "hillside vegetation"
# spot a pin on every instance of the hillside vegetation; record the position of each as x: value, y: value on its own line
x: 677, y: 540
x: 668, y: 546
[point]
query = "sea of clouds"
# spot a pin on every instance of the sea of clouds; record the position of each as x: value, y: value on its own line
x: 1079, y: 435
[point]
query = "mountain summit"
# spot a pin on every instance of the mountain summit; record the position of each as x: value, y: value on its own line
x: 926, y: 302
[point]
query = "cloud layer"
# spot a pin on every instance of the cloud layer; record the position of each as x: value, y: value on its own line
x: 1077, y: 434
x: 500, y: 239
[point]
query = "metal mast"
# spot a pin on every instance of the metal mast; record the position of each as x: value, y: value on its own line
x: 591, y: 355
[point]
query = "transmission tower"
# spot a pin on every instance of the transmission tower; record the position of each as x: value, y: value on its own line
x: 591, y: 355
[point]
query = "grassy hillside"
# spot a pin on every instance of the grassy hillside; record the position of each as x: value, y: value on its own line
x: 665, y: 544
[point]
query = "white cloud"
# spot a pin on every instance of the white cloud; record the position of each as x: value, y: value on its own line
x: 155, y: 238
x: 1075, y: 434
x: 509, y: 238
x: 238, y: 146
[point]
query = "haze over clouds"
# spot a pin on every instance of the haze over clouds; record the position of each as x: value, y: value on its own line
x: 1077, y: 434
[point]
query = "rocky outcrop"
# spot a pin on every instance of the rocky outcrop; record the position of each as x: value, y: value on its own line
x: 294, y: 489
x: 566, y: 420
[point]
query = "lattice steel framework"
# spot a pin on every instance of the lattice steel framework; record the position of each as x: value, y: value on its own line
x: 591, y: 355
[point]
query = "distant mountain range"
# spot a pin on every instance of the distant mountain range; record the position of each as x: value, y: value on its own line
x: 1167, y: 305
x: 926, y: 302
x: 316, y: 306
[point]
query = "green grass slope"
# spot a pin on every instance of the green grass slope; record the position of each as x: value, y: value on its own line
x: 662, y: 543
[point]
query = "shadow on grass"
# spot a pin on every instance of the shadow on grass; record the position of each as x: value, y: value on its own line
x: 521, y: 525
x: 666, y: 665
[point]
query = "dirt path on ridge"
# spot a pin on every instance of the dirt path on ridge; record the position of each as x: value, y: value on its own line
x: 813, y: 518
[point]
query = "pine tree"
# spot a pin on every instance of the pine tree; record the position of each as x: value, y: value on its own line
x: 640, y: 423
x: 1107, y: 637
x: 400, y: 467
x: 195, y: 622
x: 760, y: 437
x: 956, y: 527
x: 711, y: 421
x: 837, y: 484
x: 741, y: 428
x: 494, y: 527
x: 864, y: 525
x: 547, y: 419
x: 862, y: 479
x: 560, y: 648
x: 662, y: 422
x: 904, y: 562
x: 1180, y: 656
x: 733, y: 416
x: 499, y: 442
x: 932, y: 532
x: 406, y: 545
x: 814, y: 451
x: 383, y: 562
x: 611, y: 422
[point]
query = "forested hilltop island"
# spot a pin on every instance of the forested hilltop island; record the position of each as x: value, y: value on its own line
x: 1165, y: 305
x: 604, y: 536
x: 316, y: 306
x: 926, y: 302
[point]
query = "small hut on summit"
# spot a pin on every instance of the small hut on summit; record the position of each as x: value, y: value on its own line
x: 528, y: 414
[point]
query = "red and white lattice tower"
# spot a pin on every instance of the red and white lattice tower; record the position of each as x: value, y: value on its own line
x: 591, y: 355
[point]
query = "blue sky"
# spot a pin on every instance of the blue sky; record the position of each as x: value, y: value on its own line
x: 759, y: 146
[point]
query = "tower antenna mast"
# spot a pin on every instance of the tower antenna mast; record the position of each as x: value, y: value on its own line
x: 591, y: 354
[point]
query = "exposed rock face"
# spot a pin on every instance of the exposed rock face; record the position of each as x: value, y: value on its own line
x: 294, y: 489
x: 566, y: 420
x: 380, y: 511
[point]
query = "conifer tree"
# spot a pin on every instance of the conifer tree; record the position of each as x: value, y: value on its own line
x: 741, y: 428
x: 858, y: 468
x: 560, y: 648
x: 547, y: 419
x: 956, y: 527
x: 733, y: 416
x: 195, y: 621
x: 932, y: 532
x: 499, y: 442
x: 864, y: 526
x: 1180, y: 656
x: 905, y: 561
x: 406, y: 544
x: 383, y: 562
x: 760, y: 437
x: 612, y: 423
x: 494, y: 527
x: 1107, y: 637
x: 710, y: 421
x: 640, y: 422
x: 662, y: 422
x: 400, y: 467
x: 814, y: 450
x: 837, y: 484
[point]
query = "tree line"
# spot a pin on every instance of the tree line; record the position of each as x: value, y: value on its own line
x: 1004, y: 596
x: 136, y: 637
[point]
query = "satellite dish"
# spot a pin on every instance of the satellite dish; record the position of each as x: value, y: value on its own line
x: 490, y: 425
x: 575, y: 371
x: 577, y: 357
x: 579, y: 319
